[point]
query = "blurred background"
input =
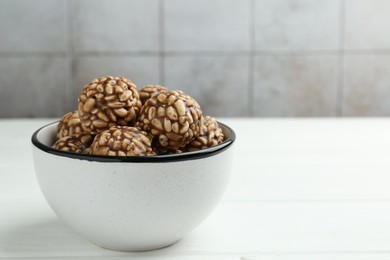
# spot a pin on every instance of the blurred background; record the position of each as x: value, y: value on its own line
x: 238, y: 58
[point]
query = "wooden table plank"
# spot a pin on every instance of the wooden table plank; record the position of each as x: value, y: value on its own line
x: 300, y: 189
x: 235, y: 228
x: 311, y: 159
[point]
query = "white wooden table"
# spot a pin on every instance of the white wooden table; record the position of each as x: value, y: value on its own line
x: 301, y: 189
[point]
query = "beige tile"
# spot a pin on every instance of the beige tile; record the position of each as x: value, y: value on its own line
x: 115, y: 25
x: 296, y: 86
x: 219, y: 84
x: 366, y: 24
x: 202, y: 25
x: 366, y: 86
x: 297, y: 24
x: 26, y: 25
x: 32, y: 87
x: 142, y: 70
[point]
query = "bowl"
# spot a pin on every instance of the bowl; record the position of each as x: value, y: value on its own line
x: 132, y: 203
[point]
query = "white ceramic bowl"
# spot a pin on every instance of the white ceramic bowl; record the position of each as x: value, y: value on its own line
x: 132, y: 203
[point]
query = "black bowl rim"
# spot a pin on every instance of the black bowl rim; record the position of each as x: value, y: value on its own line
x: 204, y: 153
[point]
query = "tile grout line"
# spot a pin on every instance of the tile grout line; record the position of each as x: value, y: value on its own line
x: 161, y: 38
x: 72, y: 54
x: 29, y: 54
x: 67, y: 69
x: 340, y: 60
x: 251, y: 59
x: 69, y: 26
x: 69, y: 56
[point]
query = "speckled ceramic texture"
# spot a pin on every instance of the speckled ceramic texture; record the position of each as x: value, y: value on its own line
x: 131, y: 206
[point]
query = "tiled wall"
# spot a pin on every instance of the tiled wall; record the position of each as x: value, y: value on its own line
x: 237, y: 57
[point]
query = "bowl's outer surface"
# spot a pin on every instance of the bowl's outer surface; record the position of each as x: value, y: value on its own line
x: 131, y: 206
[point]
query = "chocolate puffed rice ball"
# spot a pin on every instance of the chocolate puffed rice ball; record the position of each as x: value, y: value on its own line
x: 69, y: 124
x: 163, y: 151
x: 108, y: 101
x: 78, y: 143
x: 211, y: 135
x: 172, y: 117
x: 122, y: 141
x: 149, y: 91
